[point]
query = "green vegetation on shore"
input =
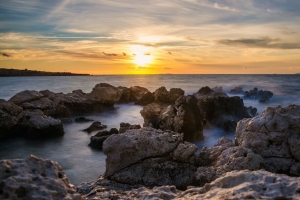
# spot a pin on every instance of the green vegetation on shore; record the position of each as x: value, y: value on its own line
x: 25, y: 72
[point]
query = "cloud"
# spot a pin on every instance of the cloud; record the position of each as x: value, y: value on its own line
x: 167, y: 68
x: 110, y: 54
x: 145, y: 67
x: 4, y: 54
x: 217, y: 6
x: 75, y: 31
x: 264, y: 42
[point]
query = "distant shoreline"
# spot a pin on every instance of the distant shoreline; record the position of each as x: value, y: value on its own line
x: 25, y: 72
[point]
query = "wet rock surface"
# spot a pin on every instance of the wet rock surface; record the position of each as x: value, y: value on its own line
x: 95, y: 126
x: 183, y: 117
x: 34, y: 178
x: 273, y: 134
x: 223, y: 112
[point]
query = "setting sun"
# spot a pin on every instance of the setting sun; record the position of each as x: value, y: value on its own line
x: 142, y: 55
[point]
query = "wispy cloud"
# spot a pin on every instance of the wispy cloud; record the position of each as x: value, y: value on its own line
x: 71, y: 30
x: 265, y: 42
x: 4, y: 54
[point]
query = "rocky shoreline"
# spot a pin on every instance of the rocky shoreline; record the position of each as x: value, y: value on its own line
x: 159, y: 160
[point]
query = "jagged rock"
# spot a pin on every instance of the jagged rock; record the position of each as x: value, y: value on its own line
x: 187, y: 118
x: 150, y: 157
x: 126, y: 126
x: 125, y: 95
x: 8, y: 118
x: 25, y: 96
x: 41, y: 104
x: 218, y: 89
x: 247, y: 185
x: 273, y: 134
x: 232, y: 185
x: 138, y: 92
x: 98, y: 139
x: 223, y: 112
x: 164, y: 96
x: 208, y: 92
x: 95, y: 126
x: 225, y: 157
x: 34, y: 178
x: 83, y: 119
x: 237, y: 90
x: 147, y: 98
x: 263, y: 96
x: 36, y: 125
x: 105, y: 93
x: 252, y: 111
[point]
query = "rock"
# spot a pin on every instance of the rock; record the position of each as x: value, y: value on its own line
x: 126, y: 126
x: 273, y: 134
x: 232, y: 185
x: 36, y: 125
x: 263, y: 96
x: 187, y: 118
x: 25, y: 96
x: 225, y: 157
x: 247, y: 185
x: 150, y: 157
x: 223, y: 112
x: 83, y: 119
x: 237, y: 90
x: 41, y: 104
x: 34, y: 178
x: 95, y: 126
x: 208, y: 156
x: 98, y: 139
x: 105, y: 93
x: 8, y: 119
x: 138, y: 92
x: 217, y: 89
x: 147, y: 98
x: 162, y: 95
x: 125, y: 95
x: 252, y: 111
x: 208, y: 92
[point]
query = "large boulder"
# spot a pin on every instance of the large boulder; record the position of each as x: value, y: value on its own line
x: 223, y: 112
x: 274, y: 134
x: 150, y: 157
x: 162, y: 95
x: 25, y: 96
x: 98, y: 139
x: 105, y: 93
x: 95, y: 126
x: 8, y: 118
x: 208, y: 92
x: 263, y: 96
x: 34, y: 178
x: 126, y: 126
x: 183, y: 117
x: 224, y: 157
x: 138, y: 92
x: 125, y: 94
x: 36, y: 125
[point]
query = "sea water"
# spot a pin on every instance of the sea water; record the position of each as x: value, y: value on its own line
x: 79, y: 161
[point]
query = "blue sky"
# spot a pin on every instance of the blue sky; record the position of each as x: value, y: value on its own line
x: 181, y: 36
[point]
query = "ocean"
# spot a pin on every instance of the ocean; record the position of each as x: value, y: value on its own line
x: 79, y: 161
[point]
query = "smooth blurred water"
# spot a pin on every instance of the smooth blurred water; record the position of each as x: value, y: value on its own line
x: 80, y: 162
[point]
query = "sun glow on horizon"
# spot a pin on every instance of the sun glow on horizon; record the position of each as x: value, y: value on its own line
x: 142, y: 55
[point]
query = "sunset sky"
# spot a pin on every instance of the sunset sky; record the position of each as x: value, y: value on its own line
x: 151, y: 37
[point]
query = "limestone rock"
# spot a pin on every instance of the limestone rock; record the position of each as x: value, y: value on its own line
x: 123, y: 150
x: 164, y: 96
x: 41, y: 104
x: 263, y: 96
x: 126, y: 126
x: 147, y: 98
x: 125, y: 95
x: 98, y: 139
x: 83, y: 119
x: 105, y: 93
x: 223, y: 112
x: 138, y: 92
x: 25, y: 96
x: 95, y: 126
x: 185, y: 152
x: 34, y: 178
x: 36, y: 125
x: 273, y: 134
x: 208, y: 92
x: 185, y: 118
